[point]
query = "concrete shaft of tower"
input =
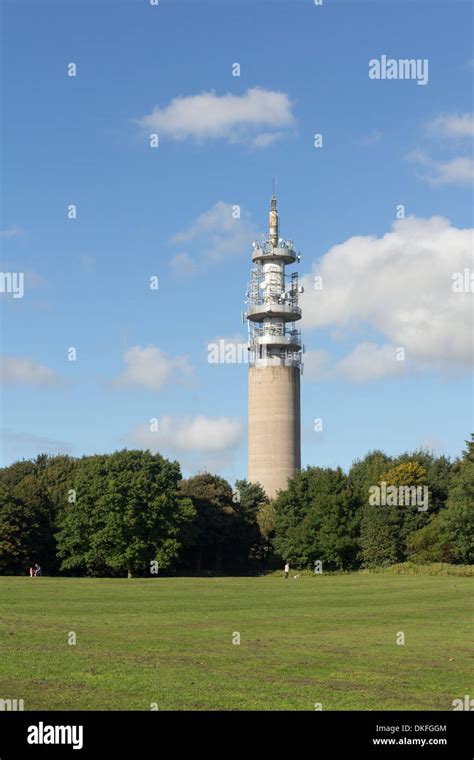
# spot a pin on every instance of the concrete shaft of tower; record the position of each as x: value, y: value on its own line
x: 274, y: 435
x: 274, y: 448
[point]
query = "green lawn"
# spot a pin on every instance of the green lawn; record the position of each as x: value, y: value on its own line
x: 328, y: 639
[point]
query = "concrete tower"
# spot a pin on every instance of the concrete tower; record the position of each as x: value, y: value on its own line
x: 274, y: 446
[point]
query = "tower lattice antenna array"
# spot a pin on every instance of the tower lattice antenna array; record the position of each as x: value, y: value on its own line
x: 272, y: 302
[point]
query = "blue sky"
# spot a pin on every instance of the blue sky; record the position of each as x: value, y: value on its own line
x: 167, y: 212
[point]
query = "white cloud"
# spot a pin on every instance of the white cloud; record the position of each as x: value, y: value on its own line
x: 265, y: 139
x: 256, y: 117
x: 29, y: 442
x: 217, y: 235
x: 191, y: 434
x: 217, y: 219
x: 16, y: 370
x: 183, y: 265
x: 230, y: 340
x: 150, y: 368
x: 400, y: 285
x: 452, y: 125
x: 449, y: 171
x: 456, y: 171
x: 11, y: 232
x: 317, y: 365
x: 367, y: 361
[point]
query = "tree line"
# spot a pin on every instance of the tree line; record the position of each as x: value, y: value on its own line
x: 132, y: 513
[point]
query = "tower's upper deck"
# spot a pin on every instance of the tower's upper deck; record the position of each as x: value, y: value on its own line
x: 283, y: 252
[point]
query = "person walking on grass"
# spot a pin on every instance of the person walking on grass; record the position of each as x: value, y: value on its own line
x: 287, y: 569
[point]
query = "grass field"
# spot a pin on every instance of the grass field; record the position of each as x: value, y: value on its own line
x: 329, y: 639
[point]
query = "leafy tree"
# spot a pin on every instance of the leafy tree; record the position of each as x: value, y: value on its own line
x: 210, y: 539
x: 26, y: 527
x: 249, y: 546
x: 128, y: 513
x: 385, y: 528
x: 428, y: 544
x: 266, y: 519
x: 378, y: 538
x: 449, y: 536
x: 12, y: 475
x: 14, y: 550
x: 248, y: 498
x: 365, y: 473
x: 439, y: 471
x: 57, y: 476
x: 314, y: 520
x: 410, y: 517
x: 457, y: 520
